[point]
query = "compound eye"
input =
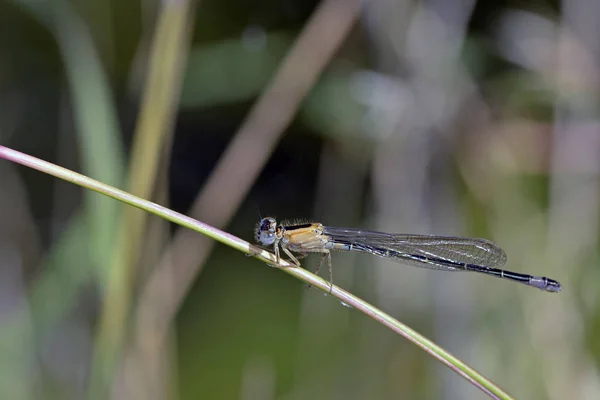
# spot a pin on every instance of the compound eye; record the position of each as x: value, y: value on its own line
x: 268, y: 225
x: 266, y: 231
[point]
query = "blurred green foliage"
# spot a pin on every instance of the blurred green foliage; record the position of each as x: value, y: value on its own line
x: 430, y: 119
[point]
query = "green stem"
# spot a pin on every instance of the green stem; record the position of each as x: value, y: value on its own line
x: 153, y: 134
x: 345, y: 297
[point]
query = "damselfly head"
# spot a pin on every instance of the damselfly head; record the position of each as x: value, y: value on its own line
x: 266, y: 231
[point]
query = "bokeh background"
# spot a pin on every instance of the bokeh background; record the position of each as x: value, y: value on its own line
x: 454, y: 117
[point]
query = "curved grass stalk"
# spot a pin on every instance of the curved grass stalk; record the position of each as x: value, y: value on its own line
x: 345, y: 297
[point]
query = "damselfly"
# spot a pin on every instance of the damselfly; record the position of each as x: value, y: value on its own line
x: 446, y: 253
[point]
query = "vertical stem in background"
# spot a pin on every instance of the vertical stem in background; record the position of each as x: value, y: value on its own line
x: 97, y: 126
x: 99, y: 145
x: 235, y: 173
x: 159, y: 105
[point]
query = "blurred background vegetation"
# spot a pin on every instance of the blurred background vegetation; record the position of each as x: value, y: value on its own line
x: 443, y: 117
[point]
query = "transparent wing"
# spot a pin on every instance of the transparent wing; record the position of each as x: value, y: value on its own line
x: 435, y: 252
